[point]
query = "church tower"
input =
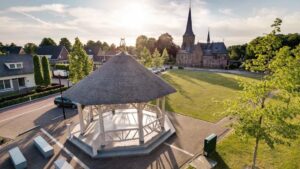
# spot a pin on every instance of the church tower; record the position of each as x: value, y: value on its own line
x: 189, y: 36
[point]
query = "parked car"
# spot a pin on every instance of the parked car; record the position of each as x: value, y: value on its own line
x: 62, y: 73
x: 58, y: 101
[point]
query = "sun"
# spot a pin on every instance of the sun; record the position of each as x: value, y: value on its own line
x: 133, y: 16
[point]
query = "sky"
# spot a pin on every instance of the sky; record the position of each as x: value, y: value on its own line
x: 231, y: 21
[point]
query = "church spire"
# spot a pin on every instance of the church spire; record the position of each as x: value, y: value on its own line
x: 189, y: 28
x: 208, y: 36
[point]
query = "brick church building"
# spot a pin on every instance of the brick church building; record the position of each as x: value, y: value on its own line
x: 209, y: 54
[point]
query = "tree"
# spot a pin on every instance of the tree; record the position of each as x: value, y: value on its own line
x: 38, y: 74
x: 257, y: 114
x: 265, y: 49
x: 30, y: 48
x: 46, y: 71
x: 140, y: 43
x: 157, y: 60
x: 165, y: 56
x: 145, y: 57
x: 237, y: 52
x: 47, y: 42
x: 151, y: 44
x: 166, y: 41
x: 66, y: 43
x: 79, y: 63
x: 105, y: 46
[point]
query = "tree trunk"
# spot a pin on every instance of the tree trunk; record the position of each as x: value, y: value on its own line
x: 256, y: 146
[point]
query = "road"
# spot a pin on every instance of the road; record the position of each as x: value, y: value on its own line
x: 47, y: 119
x: 27, y: 116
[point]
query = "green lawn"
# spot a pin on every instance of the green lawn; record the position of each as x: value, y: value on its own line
x: 201, y: 94
x: 234, y: 153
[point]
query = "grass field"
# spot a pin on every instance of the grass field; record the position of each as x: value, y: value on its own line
x: 200, y: 94
x: 236, y: 154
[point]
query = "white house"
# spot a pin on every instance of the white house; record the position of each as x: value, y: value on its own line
x: 16, y: 73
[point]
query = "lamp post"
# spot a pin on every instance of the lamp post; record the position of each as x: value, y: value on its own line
x: 62, y: 100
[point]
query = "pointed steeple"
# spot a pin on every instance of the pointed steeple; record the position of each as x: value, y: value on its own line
x: 208, y: 37
x: 189, y: 27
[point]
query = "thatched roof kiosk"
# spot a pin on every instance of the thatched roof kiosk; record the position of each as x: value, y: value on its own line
x: 121, y: 80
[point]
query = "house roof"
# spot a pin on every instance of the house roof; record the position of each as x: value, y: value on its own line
x: 54, y: 51
x: 13, y: 58
x: 12, y: 49
x: 95, y: 51
x: 213, y: 48
x: 120, y: 80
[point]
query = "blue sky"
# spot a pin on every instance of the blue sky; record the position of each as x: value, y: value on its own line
x: 233, y: 21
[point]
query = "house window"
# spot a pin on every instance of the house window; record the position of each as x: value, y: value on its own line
x: 21, y: 82
x: 12, y: 66
x: 18, y: 65
x: 5, y: 84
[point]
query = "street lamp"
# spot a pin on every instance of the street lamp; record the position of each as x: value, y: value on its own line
x: 62, y: 100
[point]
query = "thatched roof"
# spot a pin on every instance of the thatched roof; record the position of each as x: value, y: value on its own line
x: 120, y: 80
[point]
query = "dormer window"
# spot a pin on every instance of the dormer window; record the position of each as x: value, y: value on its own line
x: 17, y: 65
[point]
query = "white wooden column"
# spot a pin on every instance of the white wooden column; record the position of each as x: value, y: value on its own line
x: 81, y: 120
x: 163, y: 112
x: 157, y: 102
x: 140, y: 122
x: 101, y: 127
x: 90, y: 113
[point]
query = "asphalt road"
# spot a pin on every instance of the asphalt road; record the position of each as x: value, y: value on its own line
x: 44, y: 115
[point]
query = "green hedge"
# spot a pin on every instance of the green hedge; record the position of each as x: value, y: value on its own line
x: 27, y: 98
x: 62, y: 67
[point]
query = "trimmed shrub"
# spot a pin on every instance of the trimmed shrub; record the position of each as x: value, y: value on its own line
x: 38, y: 75
x: 62, y: 67
x: 28, y: 97
x: 46, y: 71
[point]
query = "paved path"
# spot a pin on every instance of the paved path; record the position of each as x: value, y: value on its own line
x: 179, y: 149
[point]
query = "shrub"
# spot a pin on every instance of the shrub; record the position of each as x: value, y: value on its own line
x: 180, y: 67
x: 28, y: 97
x: 46, y: 71
x: 38, y: 74
x: 62, y: 67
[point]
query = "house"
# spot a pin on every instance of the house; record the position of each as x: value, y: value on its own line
x: 16, y: 73
x: 99, y: 56
x: 13, y: 50
x: 55, y: 54
x: 209, y: 54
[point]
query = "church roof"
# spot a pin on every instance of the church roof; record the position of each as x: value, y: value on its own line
x: 120, y: 80
x: 189, y: 28
x: 213, y: 48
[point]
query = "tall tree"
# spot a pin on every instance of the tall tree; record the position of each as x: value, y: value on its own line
x: 257, y: 114
x: 265, y: 49
x: 165, y: 56
x: 30, y: 48
x: 38, y: 74
x: 47, y: 42
x: 140, y: 43
x: 157, y: 60
x: 46, y: 71
x: 66, y: 43
x: 80, y: 64
x: 145, y: 57
x: 151, y: 44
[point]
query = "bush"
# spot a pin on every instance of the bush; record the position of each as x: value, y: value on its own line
x: 62, y: 67
x: 180, y: 67
x: 42, y: 89
x: 28, y: 97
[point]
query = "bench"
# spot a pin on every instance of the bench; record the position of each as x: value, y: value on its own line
x: 62, y: 164
x: 17, y: 158
x: 43, y: 146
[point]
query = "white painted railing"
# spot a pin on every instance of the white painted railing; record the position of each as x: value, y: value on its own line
x: 122, y: 135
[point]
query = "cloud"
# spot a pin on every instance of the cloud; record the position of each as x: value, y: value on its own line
x: 225, y: 11
x: 114, y: 19
x: 59, y: 8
